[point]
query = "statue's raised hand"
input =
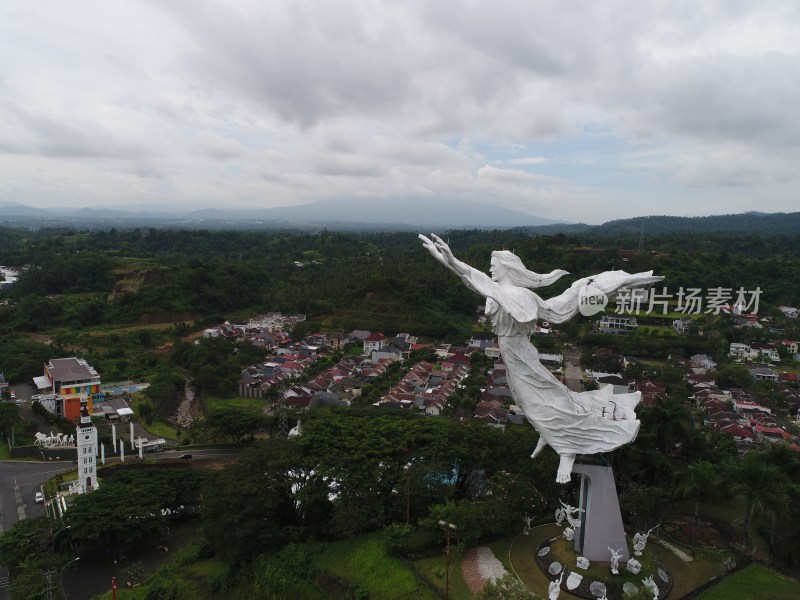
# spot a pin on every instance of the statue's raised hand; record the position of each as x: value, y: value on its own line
x: 431, y: 247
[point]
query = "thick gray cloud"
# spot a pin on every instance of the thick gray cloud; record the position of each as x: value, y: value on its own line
x: 581, y: 110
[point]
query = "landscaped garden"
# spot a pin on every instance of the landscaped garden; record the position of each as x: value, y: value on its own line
x: 754, y: 582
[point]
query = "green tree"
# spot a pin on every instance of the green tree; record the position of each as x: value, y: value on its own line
x: 9, y: 416
x: 131, y: 505
x: 248, y: 508
x: 763, y: 484
x: 644, y: 505
x: 733, y: 376
x: 234, y: 423
x: 146, y: 412
x: 700, y: 480
x: 27, y: 538
x: 288, y: 574
x: 166, y: 384
x: 668, y: 421
x: 782, y: 539
x: 29, y: 583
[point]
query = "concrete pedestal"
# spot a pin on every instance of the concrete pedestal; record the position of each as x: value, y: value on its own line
x: 601, y: 521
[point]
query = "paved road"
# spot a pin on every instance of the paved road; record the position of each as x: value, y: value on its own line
x: 19, y: 481
x: 573, y: 372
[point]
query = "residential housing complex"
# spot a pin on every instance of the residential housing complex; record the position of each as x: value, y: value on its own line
x: 423, y: 387
x: 426, y: 386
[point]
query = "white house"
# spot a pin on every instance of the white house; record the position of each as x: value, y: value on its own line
x: 766, y: 350
x: 492, y: 351
x: 374, y: 343
x: 789, y: 312
x: 702, y: 361
x: 741, y: 350
x: 763, y: 374
x: 617, y: 324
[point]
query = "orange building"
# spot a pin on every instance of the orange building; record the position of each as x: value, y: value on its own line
x: 69, y: 380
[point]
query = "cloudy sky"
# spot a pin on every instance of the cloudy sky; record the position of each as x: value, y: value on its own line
x: 580, y: 110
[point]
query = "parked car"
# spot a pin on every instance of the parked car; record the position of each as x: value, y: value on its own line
x: 39, y: 497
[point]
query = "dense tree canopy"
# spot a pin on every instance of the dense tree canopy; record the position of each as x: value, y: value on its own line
x: 380, y: 282
x: 132, y: 504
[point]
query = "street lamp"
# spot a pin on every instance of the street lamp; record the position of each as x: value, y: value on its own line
x: 407, y: 469
x: 53, y: 539
x: 61, y: 583
x: 447, y: 528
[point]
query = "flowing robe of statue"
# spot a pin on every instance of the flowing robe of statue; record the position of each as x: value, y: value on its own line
x: 570, y: 422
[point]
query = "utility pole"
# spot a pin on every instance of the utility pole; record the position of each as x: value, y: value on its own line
x: 283, y: 422
x: 447, y: 527
x: 407, y: 469
x: 48, y: 575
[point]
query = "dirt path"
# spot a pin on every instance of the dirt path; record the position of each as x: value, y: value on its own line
x: 469, y: 570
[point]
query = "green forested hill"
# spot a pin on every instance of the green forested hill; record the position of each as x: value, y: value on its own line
x: 374, y: 281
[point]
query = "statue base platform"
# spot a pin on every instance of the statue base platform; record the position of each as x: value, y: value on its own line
x: 601, y: 522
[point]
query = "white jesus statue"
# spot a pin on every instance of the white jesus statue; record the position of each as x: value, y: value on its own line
x: 570, y: 422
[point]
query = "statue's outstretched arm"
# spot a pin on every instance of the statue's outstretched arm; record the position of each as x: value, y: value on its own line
x: 431, y: 247
x: 475, y: 280
x: 565, y: 306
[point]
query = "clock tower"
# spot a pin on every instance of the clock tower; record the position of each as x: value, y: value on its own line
x: 86, y: 434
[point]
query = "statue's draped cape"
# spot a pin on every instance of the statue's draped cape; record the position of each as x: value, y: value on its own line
x: 571, y: 422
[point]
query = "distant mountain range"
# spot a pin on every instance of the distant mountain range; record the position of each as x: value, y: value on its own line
x: 346, y: 214
x: 749, y: 222
x: 385, y: 215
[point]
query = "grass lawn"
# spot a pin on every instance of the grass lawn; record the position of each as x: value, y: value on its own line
x: 654, y: 329
x: 190, y: 583
x: 105, y: 330
x: 754, y: 583
x: 364, y: 560
x: 433, y: 570
x: 502, y: 550
x: 5, y: 452
x: 161, y: 429
x: 523, y: 563
x: 213, y: 403
x: 657, y: 314
x: 157, y: 427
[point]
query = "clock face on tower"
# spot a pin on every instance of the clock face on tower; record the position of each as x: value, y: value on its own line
x: 86, y: 437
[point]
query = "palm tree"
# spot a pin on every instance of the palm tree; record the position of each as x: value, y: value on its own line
x: 668, y: 421
x: 788, y: 461
x: 763, y: 484
x: 699, y: 480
